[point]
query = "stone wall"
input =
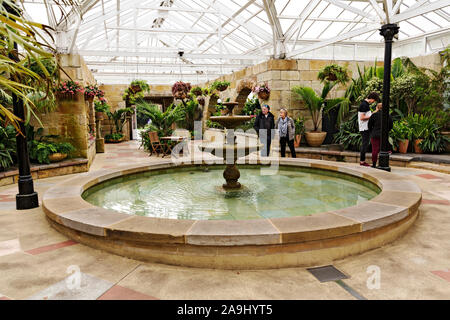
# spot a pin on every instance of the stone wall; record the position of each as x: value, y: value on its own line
x: 71, y: 118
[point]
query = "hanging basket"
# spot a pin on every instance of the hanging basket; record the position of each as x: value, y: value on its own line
x: 180, y: 95
x: 201, y: 101
x: 264, y: 95
x: 332, y: 77
x: 222, y: 88
x: 89, y: 98
x: 136, y: 89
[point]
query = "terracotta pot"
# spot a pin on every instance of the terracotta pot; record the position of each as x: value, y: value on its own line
x: 224, y: 112
x: 417, y: 148
x: 264, y: 95
x: 57, y: 157
x: 315, y: 139
x: 99, y: 115
x: 298, y: 140
x: 403, y: 146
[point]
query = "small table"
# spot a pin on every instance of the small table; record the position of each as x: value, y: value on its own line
x: 175, y: 139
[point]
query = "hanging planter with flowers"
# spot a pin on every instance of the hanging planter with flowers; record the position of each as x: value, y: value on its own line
x: 68, y: 90
x: 263, y: 91
x: 180, y: 90
x: 92, y: 91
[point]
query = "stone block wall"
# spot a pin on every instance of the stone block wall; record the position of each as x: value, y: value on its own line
x: 71, y: 118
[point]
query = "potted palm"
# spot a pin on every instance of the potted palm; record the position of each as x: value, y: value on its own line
x: 315, y: 105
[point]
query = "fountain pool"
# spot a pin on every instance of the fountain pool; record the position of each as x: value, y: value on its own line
x: 194, y: 193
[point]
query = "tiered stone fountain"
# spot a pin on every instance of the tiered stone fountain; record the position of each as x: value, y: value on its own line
x: 230, y: 150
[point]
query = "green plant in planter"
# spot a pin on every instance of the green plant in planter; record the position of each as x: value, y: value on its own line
x: 251, y: 107
x: 119, y: 118
x: 400, y: 131
x: 349, y: 135
x: 427, y: 129
x: 161, y: 122
x: 7, y: 146
x: 334, y: 73
x: 141, y: 84
x: 41, y: 149
x: 300, y: 126
x: 220, y: 85
x: 197, y: 91
x: 101, y: 107
x: 114, y: 136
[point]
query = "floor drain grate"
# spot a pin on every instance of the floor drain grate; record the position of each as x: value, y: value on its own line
x: 327, y: 274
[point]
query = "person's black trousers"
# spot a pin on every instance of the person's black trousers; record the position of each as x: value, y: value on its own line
x: 283, y: 141
x: 365, y: 144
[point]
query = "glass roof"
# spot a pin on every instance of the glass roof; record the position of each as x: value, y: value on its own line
x: 196, y: 40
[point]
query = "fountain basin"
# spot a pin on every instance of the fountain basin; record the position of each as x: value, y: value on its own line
x: 237, y: 244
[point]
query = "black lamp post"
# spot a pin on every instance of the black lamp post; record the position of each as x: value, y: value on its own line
x: 27, y: 197
x: 388, y: 31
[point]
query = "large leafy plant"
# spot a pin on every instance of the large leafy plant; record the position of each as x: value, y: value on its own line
x: 334, y: 73
x: 314, y: 102
x: 119, y: 118
x: 349, y: 135
x: 28, y: 70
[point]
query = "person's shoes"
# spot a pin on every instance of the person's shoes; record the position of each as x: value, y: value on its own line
x: 374, y: 166
x: 364, y: 164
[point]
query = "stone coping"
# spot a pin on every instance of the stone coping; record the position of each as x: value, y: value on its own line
x: 64, y: 206
x: 40, y: 171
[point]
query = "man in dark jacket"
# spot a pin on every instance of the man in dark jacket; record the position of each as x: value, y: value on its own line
x: 375, y: 132
x: 264, y: 124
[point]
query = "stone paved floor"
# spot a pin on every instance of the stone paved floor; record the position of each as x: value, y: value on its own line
x: 36, y: 262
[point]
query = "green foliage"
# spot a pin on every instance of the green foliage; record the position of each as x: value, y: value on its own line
x: 191, y: 112
x: 44, y: 102
x: 219, y: 85
x: 213, y: 125
x: 142, y: 84
x: 197, y: 91
x: 251, y: 107
x: 373, y: 85
x: 400, y: 131
x: 7, y: 146
x: 300, y: 126
x: 334, y: 73
x: 41, y: 149
x: 48, y: 63
x: 427, y: 127
x: 114, y: 136
x: 161, y: 122
x: 349, y: 135
x: 101, y: 107
x: 119, y: 118
x: 313, y: 102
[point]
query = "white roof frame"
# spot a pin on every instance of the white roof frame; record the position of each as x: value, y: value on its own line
x: 141, y: 37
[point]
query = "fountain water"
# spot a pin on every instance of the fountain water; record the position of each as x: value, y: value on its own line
x: 231, y: 150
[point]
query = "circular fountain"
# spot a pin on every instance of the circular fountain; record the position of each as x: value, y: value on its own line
x: 231, y: 149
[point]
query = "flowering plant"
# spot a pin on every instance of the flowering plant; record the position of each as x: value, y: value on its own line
x: 181, y: 89
x: 93, y: 91
x: 263, y: 88
x: 69, y: 87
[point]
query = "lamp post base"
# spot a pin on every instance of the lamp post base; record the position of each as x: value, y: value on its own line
x: 27, y: 201
x: 384, y: 162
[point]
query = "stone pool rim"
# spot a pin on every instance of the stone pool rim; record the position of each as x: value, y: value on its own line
x: 230, y: 244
